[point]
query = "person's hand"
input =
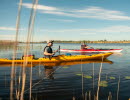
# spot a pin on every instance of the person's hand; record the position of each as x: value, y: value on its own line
x: 56, y: 51
x: 53, y: 53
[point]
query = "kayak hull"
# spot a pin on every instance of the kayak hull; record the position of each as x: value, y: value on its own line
x: 91, y: 50
x: 60, y: 58
x: 58, y: 63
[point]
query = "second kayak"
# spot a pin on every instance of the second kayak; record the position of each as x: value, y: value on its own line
x: 91, y: 50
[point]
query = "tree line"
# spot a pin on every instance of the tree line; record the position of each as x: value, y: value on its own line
x: 9, y: 42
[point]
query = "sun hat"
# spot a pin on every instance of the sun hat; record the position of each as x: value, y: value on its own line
x: 50, y: 41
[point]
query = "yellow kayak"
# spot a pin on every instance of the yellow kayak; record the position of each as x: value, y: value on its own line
x: 60, y: 58
x: 58, y: 63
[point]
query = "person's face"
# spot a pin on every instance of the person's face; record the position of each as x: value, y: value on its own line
x: 50, y: 44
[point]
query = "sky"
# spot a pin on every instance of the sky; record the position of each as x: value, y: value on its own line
x: 67, y: 20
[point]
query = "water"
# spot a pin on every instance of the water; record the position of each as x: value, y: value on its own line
x: 66, y: 82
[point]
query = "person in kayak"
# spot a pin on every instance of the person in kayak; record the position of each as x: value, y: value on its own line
x: 85, y: 46
x: 48, y: 52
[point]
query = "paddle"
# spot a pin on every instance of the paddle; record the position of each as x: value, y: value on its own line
x: 59, y: 49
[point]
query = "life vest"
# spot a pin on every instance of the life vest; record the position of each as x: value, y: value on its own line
x: 48, y: 49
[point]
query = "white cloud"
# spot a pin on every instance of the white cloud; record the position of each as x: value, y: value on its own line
x: 89, y: 12
x: 116, y: 29
x: 111, y: 29
x: 67, y: 30
x: 40, y: 7
x: 56, y: 13
x: 9, y: 28
x: 7, y: 36
x: 62, y: 20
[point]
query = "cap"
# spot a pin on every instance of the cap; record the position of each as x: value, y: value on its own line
x: 50, y: 41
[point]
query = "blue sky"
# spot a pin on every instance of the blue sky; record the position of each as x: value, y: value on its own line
x: 68, y: 20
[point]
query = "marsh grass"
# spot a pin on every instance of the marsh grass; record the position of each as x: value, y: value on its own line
x: 21, y: 87
x: 110, y: 96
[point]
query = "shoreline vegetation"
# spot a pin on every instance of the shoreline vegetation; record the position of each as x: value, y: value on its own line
x: 7, y: 42
x: 10, y: 42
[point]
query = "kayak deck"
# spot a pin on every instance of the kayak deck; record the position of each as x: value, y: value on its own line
x: 60, y: 58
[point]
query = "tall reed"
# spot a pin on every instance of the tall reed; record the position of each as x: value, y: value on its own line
x: 118, y: 88
x: 99, y: 77
x: 15, y: 50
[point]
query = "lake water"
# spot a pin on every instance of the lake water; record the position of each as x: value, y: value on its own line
x: 66, y: 82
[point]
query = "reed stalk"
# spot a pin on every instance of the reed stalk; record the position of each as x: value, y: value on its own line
x: 95, y: 97
x: 99, y: 78
x: 89, y: 95
x: 82, y: 80
x: 19, y: 85
x: 85, y: 98
x: 31, y: 23
x: 15, y: 49
x: 23, y: 83
x: 93, y: 76
x: 30, y: 82
x: 82, y: 85
x: 30, y: 28
x: 73, y: 98
x: 15, y: 73
x: 110, y: 96
x: 118, y: 88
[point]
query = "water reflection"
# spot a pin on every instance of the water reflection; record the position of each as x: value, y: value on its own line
x: 49, y: 71
x: 50, y: 88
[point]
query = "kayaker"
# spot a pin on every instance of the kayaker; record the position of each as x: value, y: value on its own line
x: 48, y: 52
x: 85, y: 46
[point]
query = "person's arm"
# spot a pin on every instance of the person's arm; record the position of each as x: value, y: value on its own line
x: 50, y: 54
x: 55, y: 51
x: 88, y: 47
